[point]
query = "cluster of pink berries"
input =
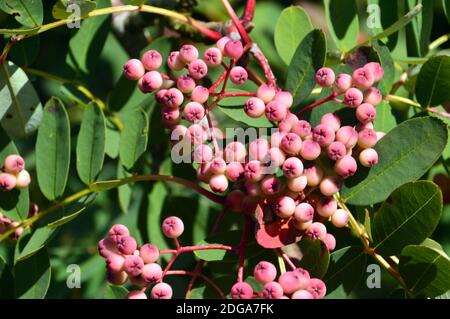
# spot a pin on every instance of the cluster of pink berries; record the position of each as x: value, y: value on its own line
x: 126, y: 261
x: 13, y: 173
x: 294, y: 284
x: 6, y: 224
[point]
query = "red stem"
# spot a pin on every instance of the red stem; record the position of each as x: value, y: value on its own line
x: 264, y: 64
x: 234, y: 94
x: 213, y: 133
x: 214, y: 35
x: 331, y: 97
x: 286, y: 259
x: 242, y: 248
x: 237, y: 22
x: 249, y: 11
x: 253, y: 76
x: 216, y: 84
x: 193, y: 274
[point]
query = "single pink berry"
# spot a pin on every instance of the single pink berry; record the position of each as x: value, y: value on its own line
x: 218, y: 165
x: 172, y: 227
x: 150, y: 82
x: 285, y: 98
x: 200, y: 94
x: 185, y: 83
x: 330, y: 185
x: 330, y: 241
x: 304, y: 212
x: 152, y: 273
x: 174, y: 61
x: 235, y: 152
x: 137, y: 294
x: 133, y: 265
x: 288, y: 122
x: 302, y: 294
x: 203, y: 172
x: 233, y: 49
x: 258, y: 149
x: 198, y: 69
x: 272, y: 290
x: 314, y: 175
x: 368, y: 157
x: 366, y: 113
x: 254, y: 107
x: 310, y: 150
x: 372, y: 96
x: 266, y: 93
x: 133, y: 70
x: 188, y: 53
x: 118, y: 230
x: 297, y: 184
x: 197, y: 134
x: 353, y: 97
x: 126, y: 244
x: 331, y: 120
x: 316, y: 231
x: 292, y: 167
x: 14, y: 164
x: 346, y: 166
x: 317, y: 288
x: 238, y: 75
x: 291, y: 144
x: 325, y: 77
x: 234, y: 200
x: 376, y: 70
x: 336, y: 151
x: 194, y: 112
x: 275, y: 111
x: 23, y: 179
x: 348, y: 136
x: 343, y: 82
x: 323, y: 134
x: 213, y: 57
x: 363, y: 78
x: 340, y: 218
x: 270, y: 185
x: 161, y: 291
x: 326, y: 206
x: 292, y: 281
x: 302, y: 128
x: 265, y: 272
x: 218, y: 183
x: 116, y: 278
x: 202, y: 154
x: 284, y: 206
x: 106, y: 247
x: 234, y: 171
x: 115, y: 263
x: 220, y: 44
x: 275, y: 138
x: 151, y: 60
x: 149, y: 253
x: 275, y: 158
x: 253, y: 171
x: 170, y: 115
x: 367, y: 138
x: 241, y: 290
x: 173, y: 98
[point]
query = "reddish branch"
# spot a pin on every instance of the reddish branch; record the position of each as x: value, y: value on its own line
x: 242, y: 248
x: 194, y: 275
x: 286, y: 258
x: 249, y: 12
x: 331, y: 97
x: 264, y: 64
x: 237, y: 23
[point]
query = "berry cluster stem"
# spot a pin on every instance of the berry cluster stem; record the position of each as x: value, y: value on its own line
x: 331, y: 97
x: 242, y: 248
x: 236, y: 22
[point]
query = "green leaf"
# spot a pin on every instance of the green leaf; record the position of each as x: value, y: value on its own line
x: 134, y: 138
x: 315, y: 257
x: 385, y: 120
x: 426, y: 271
x: 27, y: 12
x: 25, y: 52
x: 383, y: 56
x: 115, y: 292
x: 33, y: 276
x: 407, y: 217
x: 6, y: 280
x: 91, y: 144
x: 53, y: 149
x: 39, y: 238
x: 124, y: 190
x: 65, y: 8
x: 308, y: 58
x: 20, y: 110
x: 446, y: 7
x: 342, y: 21
x: 292, y: 26
x: 347, y: 267
x: 419, y: 30
x: 433, y: 81
x: 405, y: 154
x: 112, y: 140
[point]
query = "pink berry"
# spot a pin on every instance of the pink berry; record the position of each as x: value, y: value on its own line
x: 366, y: 113
x: 254, y: 107
x: 343, y: 82
x: 316, y: 231
x: 116, y: 278
x: 304, y: 212
x: 340, y: 218
x: 118, y: 230
x: 265, y: 272
x: 275, y: 111
x: 106, y: 247
x: 200, y: 94
x: 302, y: 128
x: 174, y: 61
x: 284, y: 206
x: 220, y: 44
x: 188, y: 53
x: 213, y: 57
x: 198, y: 69
x: 272, y: 290
x: 241, y: 290
x: 172, y: 227
x: 331, y: 120
x: 203, y: 173
x: 367, y: 138
x: 170, y: 115
x: 218, y: 183
x: 353, y: 97
x: 336, y: 151
x: 376, y: 70
x: 126, y: 244
x: 292, y: 167
x: 285, y: 98
x: 185, y: 83
x: 218, y: 165
x: 270, y: 185
x: 258, y: 149
x: 151, y: 60
x: 291, y: 144
x: 152, y: 273
x: 275, y: 158
x: 238, y: 75
x: 346, y: 166
x: 302, y: 294
x: 317, y: 288
x: 14, y: 164
x: 297, y: 184
x: 330, y: 185
x: 330, y: 241
x: 363, y: 78
x: 372, y: 96
x: 235, y: 151
x: 368, y: 157
x: 233, y: 49
x: 133, y: 265
x: 137, y: 294
x: 115, y: 262
x: 288, y: 122
x: 194, y: 112
x: 149, y: 253
x: 292, y: 281
x: 173, y: 98
x: 133, y: 70
x: 234, y: 200
x: 161, y: 291
x: 323, y: 134
x: 310, y: 150
x: 253, y: 171
x: 275, y: 138
x: 23, y: 179
x: 150, y: 82
x: 266, y: 93
x: 234, y: 171
x: 314, y: 175
x: 326, y: 207
x: 325, y: 77
x: 348, y: 136
x: 197, y: 134
x: 202, y: 154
